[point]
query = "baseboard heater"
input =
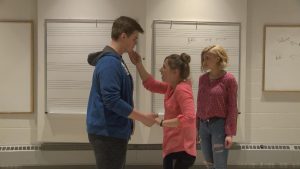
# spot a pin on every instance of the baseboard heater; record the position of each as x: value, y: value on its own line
x: 142, y: 154
x: 86, y: 146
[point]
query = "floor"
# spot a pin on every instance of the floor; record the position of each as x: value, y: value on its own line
x: 150, y: 167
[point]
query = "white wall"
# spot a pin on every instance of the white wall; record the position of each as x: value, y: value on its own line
x: 18, y: 128
x: 271, y: 117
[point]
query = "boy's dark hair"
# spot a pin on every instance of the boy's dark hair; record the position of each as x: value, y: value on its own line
x: 125, y: 24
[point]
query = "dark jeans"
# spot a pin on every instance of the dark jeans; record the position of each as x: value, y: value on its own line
x: 110, y: 152
x: 212, y: 134
x: 178, y: 160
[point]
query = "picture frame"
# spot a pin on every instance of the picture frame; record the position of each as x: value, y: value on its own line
x: 16, y: 66
x: 281, y: 58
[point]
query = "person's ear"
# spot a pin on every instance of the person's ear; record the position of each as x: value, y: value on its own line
x: 176, y: 72
x: 123, y: 35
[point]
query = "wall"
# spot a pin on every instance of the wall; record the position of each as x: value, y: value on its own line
x: 71, y: 128
x: 267, y: 117
x: 205, y: 11
x: 18, y: 128
x: 66, y: 128
x: 272, y: 117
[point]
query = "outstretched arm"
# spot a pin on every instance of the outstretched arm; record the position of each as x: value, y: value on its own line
x: 148, y: 81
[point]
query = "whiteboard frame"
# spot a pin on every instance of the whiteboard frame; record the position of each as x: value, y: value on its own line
x: 196, y: 23
x: 95, y: 21
x: 265, y: 56
x: 31, y: 68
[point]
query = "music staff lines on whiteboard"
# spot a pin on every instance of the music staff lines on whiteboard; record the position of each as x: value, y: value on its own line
x: 292, y: 57
x: 71, y: 46
x: 71, y: 49
x: 215, y: 39
x: 233, y: 69
x: 73, y: 102
x: 177, y: 49
x: 158, y: 101
x: 68, y: 67
x: 72, y: 31
x: 197, y: 34
x: 195, y: 67
x: 162, y: 51
x: 209, y: 40
x: 68, y: 84
x: 191, y: 40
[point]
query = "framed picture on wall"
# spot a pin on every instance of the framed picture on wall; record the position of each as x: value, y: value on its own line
x: 281, y: 58
x: 16, y: 66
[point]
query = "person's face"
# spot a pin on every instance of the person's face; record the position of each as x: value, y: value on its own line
x: 167, y: 74
x: 210, y: 61
x: 130, y: 41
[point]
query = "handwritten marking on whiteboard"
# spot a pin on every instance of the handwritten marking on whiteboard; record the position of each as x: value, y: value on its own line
x: 281, y: 40
x: 278, y: 57
x: 288, y: 40
x: 214, y: 39
x: 293, y: 57
x: 190, y: 40
x: 208, y: 39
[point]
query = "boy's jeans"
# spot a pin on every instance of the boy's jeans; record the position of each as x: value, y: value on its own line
x: 110, y: 153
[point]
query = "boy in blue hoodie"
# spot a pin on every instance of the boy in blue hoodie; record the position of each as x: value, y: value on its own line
x: 110, y: 112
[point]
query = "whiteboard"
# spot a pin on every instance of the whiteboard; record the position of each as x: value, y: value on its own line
x: 16, y: 67
x: 281, y: 58
x: 176, y: 37
x: 68, y: 43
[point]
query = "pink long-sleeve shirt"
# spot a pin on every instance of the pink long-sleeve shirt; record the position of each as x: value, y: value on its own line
x: 218, y: 98
x: 178, y: 103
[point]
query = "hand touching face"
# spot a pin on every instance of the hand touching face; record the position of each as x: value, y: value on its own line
x: 134, y: 57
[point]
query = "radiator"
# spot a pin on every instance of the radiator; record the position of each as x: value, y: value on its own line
x: 141, y: 154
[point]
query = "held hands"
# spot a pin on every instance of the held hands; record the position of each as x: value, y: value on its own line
x: 158, y: 120
x: 134, y: 57
x: 149, y: 119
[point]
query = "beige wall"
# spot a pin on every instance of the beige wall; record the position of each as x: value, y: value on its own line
x: 53, y: 127
x: 267, y: 117
x: 271, y: 117
x: 18, y: 128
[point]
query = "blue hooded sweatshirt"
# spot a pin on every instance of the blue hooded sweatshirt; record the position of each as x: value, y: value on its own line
x: 111, y: 96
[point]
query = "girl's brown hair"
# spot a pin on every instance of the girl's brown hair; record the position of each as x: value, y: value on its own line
x: 180, y: 62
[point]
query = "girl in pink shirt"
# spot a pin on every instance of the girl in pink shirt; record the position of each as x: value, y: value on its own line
x: 179, y: 123
x: 216, y: 107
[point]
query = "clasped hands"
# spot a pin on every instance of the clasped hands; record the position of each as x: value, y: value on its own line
x: 150, y: 119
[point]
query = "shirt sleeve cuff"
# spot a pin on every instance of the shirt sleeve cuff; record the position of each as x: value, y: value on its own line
x: 183, y: 122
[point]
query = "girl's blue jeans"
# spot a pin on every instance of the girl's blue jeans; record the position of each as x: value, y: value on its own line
x: 212, y: 135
